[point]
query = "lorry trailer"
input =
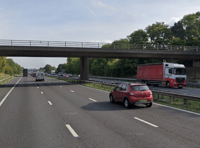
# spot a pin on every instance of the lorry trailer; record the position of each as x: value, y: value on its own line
x: 168, y: 74
x: 25, y: 72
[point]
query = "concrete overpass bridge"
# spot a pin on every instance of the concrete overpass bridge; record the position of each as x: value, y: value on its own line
x: 86, y: 50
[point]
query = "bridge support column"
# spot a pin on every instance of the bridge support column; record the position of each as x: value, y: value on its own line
x: 84, y: 68
x: 196, y: 63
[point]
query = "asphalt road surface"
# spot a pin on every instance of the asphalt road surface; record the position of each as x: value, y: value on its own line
x: 57, y: 114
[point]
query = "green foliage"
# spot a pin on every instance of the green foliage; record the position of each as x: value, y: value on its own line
x: 8, y: 66
x: 159, y: 33
x: 48, y: 68
x: 120, y: 44
x: 108, y: 46
x: 188, y: 29
x: 178, y: 41
x: 138, y: 37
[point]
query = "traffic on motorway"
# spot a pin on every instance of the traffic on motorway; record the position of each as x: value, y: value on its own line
x: 56, y: 113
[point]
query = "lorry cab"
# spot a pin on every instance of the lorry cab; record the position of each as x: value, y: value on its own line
x: 175, y: 75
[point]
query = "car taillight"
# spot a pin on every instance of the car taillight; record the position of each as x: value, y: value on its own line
x: 131, y: 94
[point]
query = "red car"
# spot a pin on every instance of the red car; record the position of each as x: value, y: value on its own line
x: 132, y: 93
x: 66, y: 76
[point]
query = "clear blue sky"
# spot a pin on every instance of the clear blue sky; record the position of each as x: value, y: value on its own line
x: 83, y: 21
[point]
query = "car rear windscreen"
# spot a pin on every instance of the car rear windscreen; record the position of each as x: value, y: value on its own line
x: 140, y: 88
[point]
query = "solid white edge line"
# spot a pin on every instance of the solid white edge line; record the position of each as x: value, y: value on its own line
x: 177, y: 109
x: 92, y: 100
x: 2, y: 101
x: 42, y: 92
x: 37, y: 87
x: 50, y: 103
x: 72, y: 131
x: 145, y: 122
x: 60, y: 86
x: 71, y: 90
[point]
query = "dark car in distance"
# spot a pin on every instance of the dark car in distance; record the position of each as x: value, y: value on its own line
x: 132, y: 93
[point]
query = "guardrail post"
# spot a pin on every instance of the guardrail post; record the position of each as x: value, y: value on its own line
x: 170, y: 99
x: 184, y: 101
x: 197, y: 48
x: 11, y: 42
x: 157, y: 47
x: 162, y: 97
x: 30, y: 43
x: 143, y: 47
x: 114, y: 46
x: 48, y: 43
x: 171, y: 48
x: 65, y: 44
x: 158, y: 97
x: 82, y: 44
x: 98, y: 45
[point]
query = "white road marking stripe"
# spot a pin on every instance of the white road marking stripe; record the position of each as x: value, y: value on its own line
x: 2, y: 101
x: 92, y: 100
x: 95, y: 89
x: 71, y: 90
x: 146, y: 122
x: 60, y: 86
x: 50, y: 103
x: 177, y: 109
x: 37, y: 87
x: 42, y: 92
x: 71, y: 130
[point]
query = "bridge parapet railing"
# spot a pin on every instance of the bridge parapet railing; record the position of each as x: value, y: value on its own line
x: 122, y: 46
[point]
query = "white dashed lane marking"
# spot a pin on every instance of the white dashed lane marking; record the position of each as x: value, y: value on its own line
x: 72, y: 131
x: 92, y: 100
x: 145, y: 122
x: 71, y: 90
x: 50, y: 103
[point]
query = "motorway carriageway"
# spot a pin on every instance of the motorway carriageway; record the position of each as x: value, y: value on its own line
x: 57, y: 114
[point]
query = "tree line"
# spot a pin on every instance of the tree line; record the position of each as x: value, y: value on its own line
x: 184, y: 32
x: 8, y: 66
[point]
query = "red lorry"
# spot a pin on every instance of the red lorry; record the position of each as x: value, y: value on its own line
x: 169, y: 74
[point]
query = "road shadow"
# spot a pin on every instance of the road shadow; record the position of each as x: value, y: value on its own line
x: 37, y: 83
x: 107, y: 106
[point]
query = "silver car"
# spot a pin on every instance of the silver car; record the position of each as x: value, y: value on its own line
x: 39, y: 76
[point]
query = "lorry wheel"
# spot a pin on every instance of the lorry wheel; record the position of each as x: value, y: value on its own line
x: 168, y: 84
x: 145, y: 82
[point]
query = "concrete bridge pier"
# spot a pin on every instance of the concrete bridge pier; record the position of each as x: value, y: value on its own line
x: 84, y: 69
